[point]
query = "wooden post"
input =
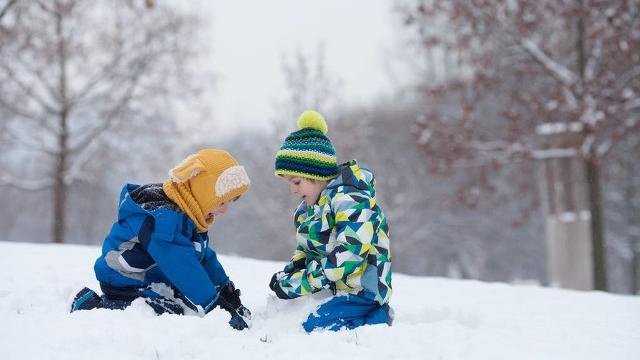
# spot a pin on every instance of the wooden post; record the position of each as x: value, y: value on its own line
x: 568, y: 218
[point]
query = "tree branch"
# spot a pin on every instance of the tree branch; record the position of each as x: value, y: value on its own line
x: 6, y: 8
x: 628, y: 76
x: 28, y: 90
x: 559, y: 72
x: 122, y: 102
x: 629, y: 125
x: 632, y: 105
x: 22, y: 113
x: 74, y: 172
x: 36, y: 146
x: 27, y: 185
x: 38, y: 75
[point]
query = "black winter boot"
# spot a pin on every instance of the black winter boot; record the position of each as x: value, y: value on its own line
x: 86, y: 299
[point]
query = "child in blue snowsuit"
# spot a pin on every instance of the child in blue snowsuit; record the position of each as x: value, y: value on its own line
x: 341, y: 232
x: 158, y: 249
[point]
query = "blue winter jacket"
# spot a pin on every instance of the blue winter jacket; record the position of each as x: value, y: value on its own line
x: 159, y: 246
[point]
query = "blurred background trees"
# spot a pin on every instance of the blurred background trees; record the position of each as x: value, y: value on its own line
x: 519, y: 65
x: 86, y: 88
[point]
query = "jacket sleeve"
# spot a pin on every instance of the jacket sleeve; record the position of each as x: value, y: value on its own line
x: 299, y: 258
x: 303, y: 281
x: 293, y: 280
x: 214, y: 269
x: 298, y: 261
x: 354, y: 231
x: 176, y: 258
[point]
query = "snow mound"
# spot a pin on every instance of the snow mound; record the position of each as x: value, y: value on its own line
x: 434, y: 319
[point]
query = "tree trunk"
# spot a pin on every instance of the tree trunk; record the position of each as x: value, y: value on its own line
x: 60, y: 186
x: 635, y: 266
x: 597, y: 224
x: 593, y: 173
x: 60, y: 193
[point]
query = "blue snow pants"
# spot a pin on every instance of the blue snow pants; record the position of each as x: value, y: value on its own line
x: 349, y: 311
x: 121, y: 298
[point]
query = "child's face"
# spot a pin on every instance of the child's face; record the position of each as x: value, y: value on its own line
x: 219, y: 210
x: 307, y: 189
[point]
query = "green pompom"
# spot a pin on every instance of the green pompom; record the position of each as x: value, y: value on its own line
x: 312, y: 119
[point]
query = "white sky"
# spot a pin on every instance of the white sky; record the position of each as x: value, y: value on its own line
x: 250, y: 37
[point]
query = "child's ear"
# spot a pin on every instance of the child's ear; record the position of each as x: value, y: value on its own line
x: 188, y: 168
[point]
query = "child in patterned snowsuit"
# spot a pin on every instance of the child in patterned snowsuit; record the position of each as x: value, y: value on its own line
x: 158, y: 249
x: 342, y: 234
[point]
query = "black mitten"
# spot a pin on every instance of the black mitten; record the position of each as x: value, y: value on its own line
x: 229, y: 300
x: 239, y: 319
x: 274, y: 285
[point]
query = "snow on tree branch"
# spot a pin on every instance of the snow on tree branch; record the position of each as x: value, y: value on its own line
x: 25, y: 184
x: 561, y: 73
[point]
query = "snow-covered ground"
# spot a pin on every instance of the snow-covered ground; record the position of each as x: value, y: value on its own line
x: 435, y: 319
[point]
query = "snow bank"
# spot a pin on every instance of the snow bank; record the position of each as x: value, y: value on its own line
x: 435, y: 319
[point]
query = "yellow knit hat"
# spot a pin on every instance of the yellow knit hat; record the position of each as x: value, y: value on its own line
x: 203, y: 181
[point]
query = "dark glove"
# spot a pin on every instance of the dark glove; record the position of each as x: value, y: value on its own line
x: 274, y: 284
x: 229, y: 297
x: 229, y: 300
x: 239, y: 318
x: 297, y: 265
x: 332, y: 287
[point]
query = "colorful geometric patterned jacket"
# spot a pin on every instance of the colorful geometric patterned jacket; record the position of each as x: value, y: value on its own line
x: 342, y: 241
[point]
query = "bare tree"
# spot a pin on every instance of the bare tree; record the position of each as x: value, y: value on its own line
x: 78, y: 77
x: 524, y: 63
x: 309, y: 84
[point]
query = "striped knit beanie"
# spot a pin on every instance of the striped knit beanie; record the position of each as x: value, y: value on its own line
x: 308, y: 152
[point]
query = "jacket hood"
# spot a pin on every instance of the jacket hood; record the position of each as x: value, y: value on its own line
x: 126, y: 206
x: 165, y: 219
x: 143, y: 200
x: 351, y: 174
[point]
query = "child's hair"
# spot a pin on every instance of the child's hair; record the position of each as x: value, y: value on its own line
x: 315, y: 180
x: 308, y: 152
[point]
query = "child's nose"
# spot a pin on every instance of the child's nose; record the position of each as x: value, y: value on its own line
x: 222, y: 209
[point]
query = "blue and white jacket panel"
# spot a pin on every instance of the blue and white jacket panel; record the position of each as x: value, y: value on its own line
x: 159, y: 246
